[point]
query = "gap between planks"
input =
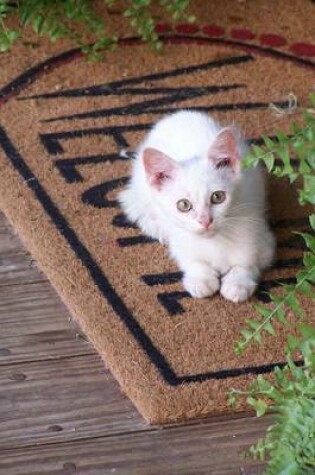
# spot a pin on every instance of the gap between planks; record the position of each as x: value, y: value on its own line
x: 207, y: 448
x: 115, y: 418
x: 16, y: 264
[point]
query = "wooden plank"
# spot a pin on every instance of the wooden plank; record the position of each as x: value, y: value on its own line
x: 30, y: 308
x: 36, y: 325
x: 62, y: 400
x: 41, y: 346
x: 207, y: 448
x: 52, y: 394
x: 4, y: 223
x: 16, y: 264
x: 9, y: 241
x: 17, y: 268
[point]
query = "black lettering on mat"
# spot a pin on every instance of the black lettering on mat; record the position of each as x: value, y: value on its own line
x: 107, y: 290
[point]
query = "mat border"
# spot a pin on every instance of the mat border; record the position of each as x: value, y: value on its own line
x: 82, y: 253
x: 25, y: 79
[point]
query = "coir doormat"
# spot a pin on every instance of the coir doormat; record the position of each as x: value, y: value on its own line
x: 63, y: 123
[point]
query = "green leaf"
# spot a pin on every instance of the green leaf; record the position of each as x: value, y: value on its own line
x: 257, y: 336
x: 265, y: 311
x: 264, y: 385
x: 310, y: 121
x: 258, y: 151
x: 283, y: 153
x: 269, y: 328
x: 5, y: 42
x: 312, y: 99
x: 296, y: 129
x: 302, y: 275
x: 293, y: 177
x: 233, y: 397
x: 293, y: 343
x: 305, y: 288
x: 309, y: 259
x: 304, y: 168
x: 270, y: 144
x: 25, y: 15
x: 282, y: 137
x: 239, y: 348
x: 258, y: 404
x: 249, y: 161
x: 38, y: 23
x: 293, y: 303
x: 56, y: 34
x: 13, y: 35
x: 312, y: 219
x: 269, y: 161
x: 253, y: 323
x: 280, y: 314
x: 246, y: 334
x: 307, y: 331
x: 309, y: 239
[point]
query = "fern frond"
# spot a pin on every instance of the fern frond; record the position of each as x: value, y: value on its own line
x: 60, y: 18
x: 289, y: 444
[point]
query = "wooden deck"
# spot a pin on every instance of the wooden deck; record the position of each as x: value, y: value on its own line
x: 61, y: 411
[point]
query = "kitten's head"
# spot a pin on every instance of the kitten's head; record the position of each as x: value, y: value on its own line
x: 196, y: 194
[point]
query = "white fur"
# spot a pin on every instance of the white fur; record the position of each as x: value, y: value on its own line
x: 238, y: 244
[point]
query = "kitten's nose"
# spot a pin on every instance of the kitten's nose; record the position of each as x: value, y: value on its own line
x: 205, y: 221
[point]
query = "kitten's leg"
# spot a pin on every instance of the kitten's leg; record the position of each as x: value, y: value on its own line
x: 200, y: 280
x: 239, y: 283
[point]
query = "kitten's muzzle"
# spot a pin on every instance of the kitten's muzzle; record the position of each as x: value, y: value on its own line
x: 205, y: 221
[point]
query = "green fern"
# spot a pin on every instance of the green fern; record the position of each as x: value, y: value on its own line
x: 290, y: 442
x: 61, y: 18
x: 7, y: 35
x: 276, y: 156
x: 289, y: 445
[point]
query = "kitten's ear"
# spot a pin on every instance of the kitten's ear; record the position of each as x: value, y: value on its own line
x: 225, y: 150
x: 158, y: 166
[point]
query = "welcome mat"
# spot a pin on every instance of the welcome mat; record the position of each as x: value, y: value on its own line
x: 63, y: 123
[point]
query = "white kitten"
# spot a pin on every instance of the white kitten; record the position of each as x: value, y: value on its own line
x: 187, y: 190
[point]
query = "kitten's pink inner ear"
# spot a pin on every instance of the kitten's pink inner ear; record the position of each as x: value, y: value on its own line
x: 224, y: 152
x: 158, y: 166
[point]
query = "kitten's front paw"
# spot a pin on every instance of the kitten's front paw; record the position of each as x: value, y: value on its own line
x: 201, y: 287
x: 237, y: 291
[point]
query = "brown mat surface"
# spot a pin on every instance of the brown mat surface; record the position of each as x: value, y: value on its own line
x: 63, y: 122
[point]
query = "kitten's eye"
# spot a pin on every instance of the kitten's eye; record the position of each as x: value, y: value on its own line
x: 184, y: 205
x: 217, y: 197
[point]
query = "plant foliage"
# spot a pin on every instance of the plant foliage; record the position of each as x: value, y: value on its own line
x: 276, y: 156
x: 68, y: 18
x: 290, y: 441
x: 289, y: 444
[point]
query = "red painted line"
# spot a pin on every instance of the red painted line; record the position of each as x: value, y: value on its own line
x: 213, y: 30
x: 162, y: 28
x: 187, y: 28
x: 242, y: 34
x: 303, y: 49
x: 272, y: 40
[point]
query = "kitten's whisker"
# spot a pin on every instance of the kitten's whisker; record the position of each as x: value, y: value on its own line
x: 245, y: 206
